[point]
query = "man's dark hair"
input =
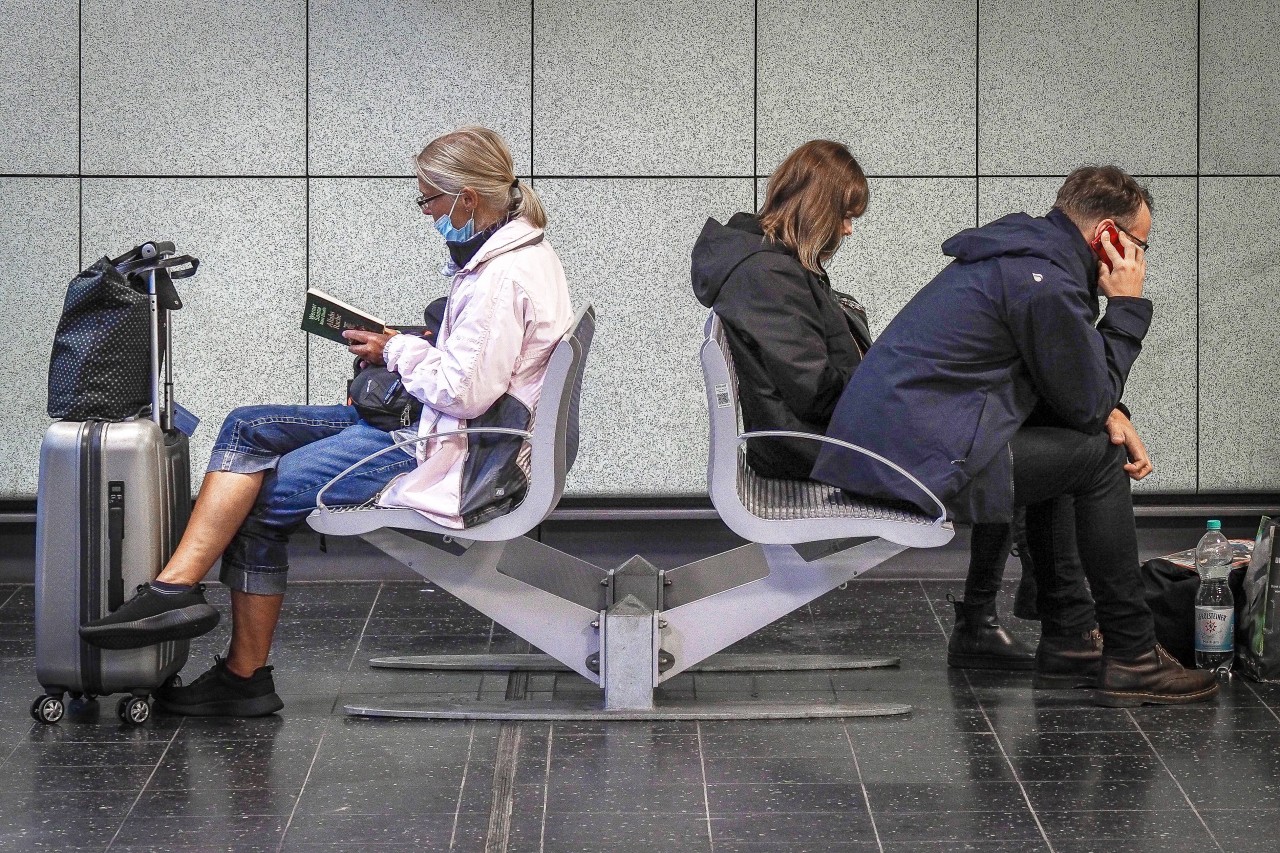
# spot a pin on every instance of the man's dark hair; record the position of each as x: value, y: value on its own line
x: 1091, y: 193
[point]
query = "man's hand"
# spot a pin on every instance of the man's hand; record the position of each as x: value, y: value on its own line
x: 1122, y: 432
x: 368, y: 345
x: 1126, y: 273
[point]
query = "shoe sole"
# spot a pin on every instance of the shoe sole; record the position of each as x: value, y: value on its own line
x: 259, y: 706
x: 985, y: 662
x: 1121, y: 699
x: 182, y: 624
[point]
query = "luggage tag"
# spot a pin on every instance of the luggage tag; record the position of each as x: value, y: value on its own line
x: 183, y: 421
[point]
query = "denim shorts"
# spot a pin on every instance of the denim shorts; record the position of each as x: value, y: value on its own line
x: 301, y: 448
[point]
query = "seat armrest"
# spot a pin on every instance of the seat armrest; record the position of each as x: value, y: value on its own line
x: 320, y: 504
x: 783, y: 433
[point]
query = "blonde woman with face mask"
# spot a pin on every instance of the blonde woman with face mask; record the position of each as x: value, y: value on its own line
x: 508, y: 307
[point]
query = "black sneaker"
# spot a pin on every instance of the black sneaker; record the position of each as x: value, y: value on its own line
x: 222, y: 693
x: 152, y: 617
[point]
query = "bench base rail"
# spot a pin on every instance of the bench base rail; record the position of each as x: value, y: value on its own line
x: 534, y: 710
x: 631, y: 629
x: 717, y: 663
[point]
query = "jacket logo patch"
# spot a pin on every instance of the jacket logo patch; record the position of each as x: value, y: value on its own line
x: 1037, y: 276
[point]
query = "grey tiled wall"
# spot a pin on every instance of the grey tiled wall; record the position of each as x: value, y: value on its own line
x: 274, y: 139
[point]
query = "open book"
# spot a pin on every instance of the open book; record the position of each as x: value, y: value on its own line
x: 328, y: 317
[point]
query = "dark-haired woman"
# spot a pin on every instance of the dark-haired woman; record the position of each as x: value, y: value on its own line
x: 795, y: 340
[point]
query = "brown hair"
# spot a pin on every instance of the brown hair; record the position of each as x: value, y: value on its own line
x: 810, y: 196
x: 476, y: 157
x: 1093, y: 193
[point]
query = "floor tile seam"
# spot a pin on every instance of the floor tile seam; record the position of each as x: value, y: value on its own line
x: 941, y: 628
x: 172, y: 739
x: 1264, y: 702
x: 11, y: 597
x: 1129, y: 811
x: 1008, y: 761
x: 363, y: 628
x: 19, y: 740
x: 315, y: 756
x: 462, y: 786
x: 546, y: 790
x: 706, y: 793
x: 866, y: 798
x: 1185, y: 796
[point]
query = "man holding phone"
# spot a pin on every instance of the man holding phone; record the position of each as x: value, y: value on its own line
x: 1010, y: 329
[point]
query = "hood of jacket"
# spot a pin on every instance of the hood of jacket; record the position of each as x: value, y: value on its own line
x: 1020, y: 235
x: 514, y: 235
x: 721, y: 248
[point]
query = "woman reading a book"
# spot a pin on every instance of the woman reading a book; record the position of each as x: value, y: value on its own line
x: 508, y: 307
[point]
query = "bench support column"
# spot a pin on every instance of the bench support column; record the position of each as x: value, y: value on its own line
x: 629, y: 664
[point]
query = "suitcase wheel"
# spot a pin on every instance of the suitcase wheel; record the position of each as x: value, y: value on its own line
x: 133, y: 710
x: 48, y: 709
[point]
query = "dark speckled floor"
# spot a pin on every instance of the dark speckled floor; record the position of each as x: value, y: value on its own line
x: 983, y: 763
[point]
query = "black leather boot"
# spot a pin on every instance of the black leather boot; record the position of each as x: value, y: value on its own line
x: 978, y: 641
x: 1068, y: 661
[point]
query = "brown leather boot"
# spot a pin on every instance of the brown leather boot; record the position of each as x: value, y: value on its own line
x: 1068, y: 661
x: 978, y: 641
x: 1155, y: 678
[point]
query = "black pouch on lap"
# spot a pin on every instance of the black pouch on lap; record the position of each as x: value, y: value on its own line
x: 379, y: 395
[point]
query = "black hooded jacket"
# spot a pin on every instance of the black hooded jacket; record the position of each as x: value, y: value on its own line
x: 1005, y: 329
x: 793, y: 345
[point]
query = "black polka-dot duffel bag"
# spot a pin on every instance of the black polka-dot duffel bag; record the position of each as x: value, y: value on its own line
x: 101, y: 363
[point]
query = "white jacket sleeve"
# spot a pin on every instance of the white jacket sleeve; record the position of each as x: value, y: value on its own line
x: 473, y: 366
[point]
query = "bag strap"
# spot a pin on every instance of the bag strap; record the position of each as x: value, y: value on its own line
x: 166, y: 294
x: 141, y: 265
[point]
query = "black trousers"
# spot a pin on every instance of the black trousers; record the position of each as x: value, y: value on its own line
x: 1051, y: 463
x: 1059, y: 597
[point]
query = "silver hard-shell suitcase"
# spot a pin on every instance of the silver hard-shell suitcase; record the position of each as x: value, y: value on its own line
x: 112, y: 502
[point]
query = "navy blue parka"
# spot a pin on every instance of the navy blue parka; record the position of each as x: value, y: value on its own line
x: 1007, y: 326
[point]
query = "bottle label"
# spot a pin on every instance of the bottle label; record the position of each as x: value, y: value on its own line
x: 1215, y: 629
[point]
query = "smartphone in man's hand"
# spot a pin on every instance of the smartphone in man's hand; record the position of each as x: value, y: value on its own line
x: 1101, y: 250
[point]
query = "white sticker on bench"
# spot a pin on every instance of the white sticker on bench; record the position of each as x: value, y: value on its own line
x: 722, y: 396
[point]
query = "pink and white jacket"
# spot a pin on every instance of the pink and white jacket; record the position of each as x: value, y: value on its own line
x: 507, y: 310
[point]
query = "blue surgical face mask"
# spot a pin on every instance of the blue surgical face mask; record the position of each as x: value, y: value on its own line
x: 455, y: 235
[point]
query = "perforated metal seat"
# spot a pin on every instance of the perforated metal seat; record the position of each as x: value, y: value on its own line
x: 553, y: 443
x: 791, y: 512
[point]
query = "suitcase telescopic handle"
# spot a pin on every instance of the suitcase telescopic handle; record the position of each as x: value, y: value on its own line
x: 145, y: 252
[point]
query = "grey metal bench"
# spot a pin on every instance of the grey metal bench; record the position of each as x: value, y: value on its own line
x: 632, y: 628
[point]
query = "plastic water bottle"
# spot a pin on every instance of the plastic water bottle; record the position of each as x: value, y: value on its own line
x: 1215, y: 608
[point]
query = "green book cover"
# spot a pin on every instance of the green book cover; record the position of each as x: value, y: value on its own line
x: 328, y: 316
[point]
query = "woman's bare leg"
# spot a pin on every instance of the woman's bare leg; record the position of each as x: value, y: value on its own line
x: 224, y: 502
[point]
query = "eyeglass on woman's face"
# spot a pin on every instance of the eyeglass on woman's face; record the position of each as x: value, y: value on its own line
x: 423, y: 200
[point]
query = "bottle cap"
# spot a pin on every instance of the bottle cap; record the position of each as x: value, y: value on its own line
x: 1213, y: 524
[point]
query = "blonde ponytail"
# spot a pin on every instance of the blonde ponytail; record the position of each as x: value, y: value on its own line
x: 527, y: 204
x: 477, y: 158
